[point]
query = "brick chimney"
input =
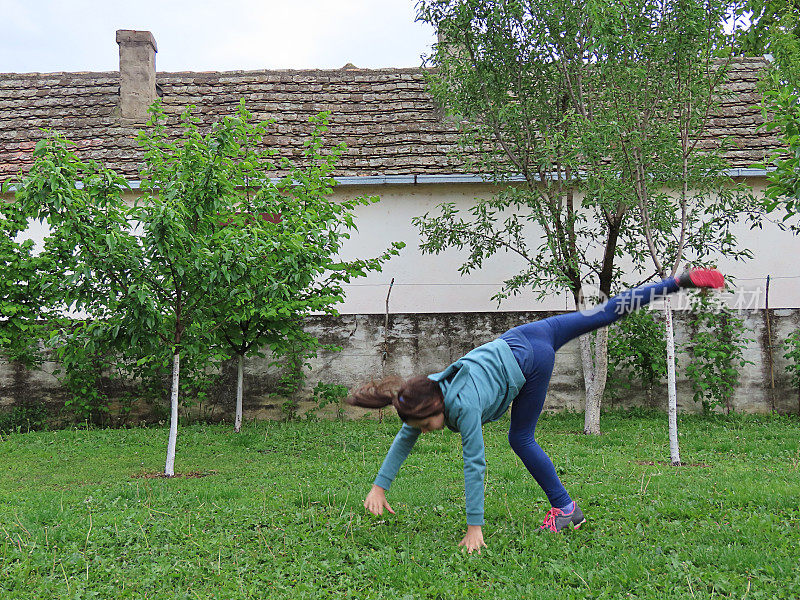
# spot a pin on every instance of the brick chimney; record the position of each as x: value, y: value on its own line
x: 137, y: 74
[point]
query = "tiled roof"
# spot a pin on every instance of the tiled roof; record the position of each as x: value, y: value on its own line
x: 386, y: 117
x: 738, y: 118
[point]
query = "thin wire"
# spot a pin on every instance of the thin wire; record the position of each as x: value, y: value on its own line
x: 461, y: 284
x: 765, y: 277
x: 418, y: 283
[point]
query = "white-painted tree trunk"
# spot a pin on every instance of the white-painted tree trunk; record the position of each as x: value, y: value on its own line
x: 169, y: 469
x: 237, y: 427
x: 595, y: 371
x: 585, y: 342
x: 672, y: 398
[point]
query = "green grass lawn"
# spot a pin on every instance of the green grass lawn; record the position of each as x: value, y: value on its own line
x: 278, y: 513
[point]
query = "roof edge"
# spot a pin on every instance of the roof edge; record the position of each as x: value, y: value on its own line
x: 233, y: 73
x: 736, y: 61
x: 452, y: 178
x: 465, y: 178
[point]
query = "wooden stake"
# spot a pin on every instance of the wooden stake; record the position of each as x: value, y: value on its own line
x: 386, y: 328
x: 769, y: 352
x: 385, y: 353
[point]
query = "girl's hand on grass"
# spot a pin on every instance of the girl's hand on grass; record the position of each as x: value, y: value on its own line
x: 375, y: 501
x: 473, y: 540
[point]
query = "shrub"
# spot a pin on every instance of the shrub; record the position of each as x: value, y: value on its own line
x: 28, y: 417
x: 716, y: 353
x: 331, y: 393
x: 636, y: 346
x: 792, y: 347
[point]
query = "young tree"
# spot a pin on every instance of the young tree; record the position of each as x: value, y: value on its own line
x: 687, y: 205
x: 227, y: 268
x: 516, y: 76
x: 191, y: 261
x: 293, y: 269
x: 575, y: 99
x: 143, y: 289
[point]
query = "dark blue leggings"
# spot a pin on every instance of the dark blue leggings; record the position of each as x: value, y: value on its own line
x: 534, y: 346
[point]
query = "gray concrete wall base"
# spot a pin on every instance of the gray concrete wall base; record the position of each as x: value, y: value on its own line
x: 426, y: 343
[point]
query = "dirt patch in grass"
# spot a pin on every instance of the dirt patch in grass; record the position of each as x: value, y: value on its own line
x: 160, y: 475
x: 653, y: 463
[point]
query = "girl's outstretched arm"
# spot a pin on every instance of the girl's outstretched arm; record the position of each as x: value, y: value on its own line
x: 401, y: 447
x: 375, y: 501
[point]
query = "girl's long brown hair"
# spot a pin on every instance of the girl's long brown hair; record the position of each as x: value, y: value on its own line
x: 414, y: 398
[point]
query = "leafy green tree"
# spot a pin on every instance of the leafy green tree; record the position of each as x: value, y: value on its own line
x: 781, y: 109
x: 144, y: 300
x: 585, y: 101
x: 767, y: 18
x: 687, y: 206
x: 166, y: 277
x: 516, y: 76
x: 294, y: 267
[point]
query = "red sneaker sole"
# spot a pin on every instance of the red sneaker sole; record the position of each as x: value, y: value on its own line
x: 707, y: 278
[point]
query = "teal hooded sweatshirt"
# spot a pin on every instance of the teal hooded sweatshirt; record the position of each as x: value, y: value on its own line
x: 477, y: 389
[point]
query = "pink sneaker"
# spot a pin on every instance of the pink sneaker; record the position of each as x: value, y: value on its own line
x: 556, y: 519
x: 701, y: 278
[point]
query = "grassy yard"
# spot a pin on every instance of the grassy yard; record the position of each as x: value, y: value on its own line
x: 275, y: 512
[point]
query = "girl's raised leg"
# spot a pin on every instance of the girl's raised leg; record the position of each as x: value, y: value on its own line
x: 568, y: 326
x: 534, y: 346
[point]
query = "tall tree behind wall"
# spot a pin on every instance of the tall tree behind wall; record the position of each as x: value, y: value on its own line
x: 556, y: 94
x: 686, y: 203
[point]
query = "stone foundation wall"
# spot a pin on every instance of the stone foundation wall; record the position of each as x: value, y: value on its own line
x: 425, y: 343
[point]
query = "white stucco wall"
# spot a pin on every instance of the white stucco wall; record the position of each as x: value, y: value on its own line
x: 432, y: 283
x: 426, y: 283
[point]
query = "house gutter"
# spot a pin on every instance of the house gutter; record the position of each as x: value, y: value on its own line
x: 449, y: 179
x: 465, y: 179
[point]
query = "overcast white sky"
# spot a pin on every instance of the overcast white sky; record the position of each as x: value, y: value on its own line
x: 208, y: 35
